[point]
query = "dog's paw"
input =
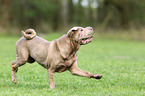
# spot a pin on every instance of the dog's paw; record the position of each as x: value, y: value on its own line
x: 97, y: 76
x: 14, y: 81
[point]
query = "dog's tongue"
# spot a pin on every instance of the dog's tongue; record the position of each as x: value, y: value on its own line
x: 84, y: 41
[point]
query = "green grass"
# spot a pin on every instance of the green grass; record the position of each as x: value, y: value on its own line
x: 121, y: 62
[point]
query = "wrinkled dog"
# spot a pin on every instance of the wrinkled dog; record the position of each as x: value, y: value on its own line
x: 56, y: 56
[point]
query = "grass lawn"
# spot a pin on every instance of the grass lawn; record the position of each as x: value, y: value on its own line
x: 121, y: 62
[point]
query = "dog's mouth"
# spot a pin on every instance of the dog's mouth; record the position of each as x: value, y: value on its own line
x: 84, y: 41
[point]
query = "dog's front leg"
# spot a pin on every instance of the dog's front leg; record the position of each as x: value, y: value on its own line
x: 76, y: 71
x: 51, y: 78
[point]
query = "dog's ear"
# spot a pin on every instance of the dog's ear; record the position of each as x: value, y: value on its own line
x: 72, y: 31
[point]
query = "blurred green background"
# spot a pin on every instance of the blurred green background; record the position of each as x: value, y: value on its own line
x: 117, y: 51
x: 125, y: 17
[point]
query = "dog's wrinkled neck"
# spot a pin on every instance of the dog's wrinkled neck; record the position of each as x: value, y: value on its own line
x: 71, y: 47
x: 74, y: 46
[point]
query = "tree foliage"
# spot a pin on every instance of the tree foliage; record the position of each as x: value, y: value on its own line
x: 58, y: 14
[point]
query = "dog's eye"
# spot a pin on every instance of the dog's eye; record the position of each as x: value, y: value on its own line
x: 81, y: 29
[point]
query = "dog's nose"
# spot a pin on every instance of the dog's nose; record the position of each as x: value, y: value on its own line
x: 90, y: 28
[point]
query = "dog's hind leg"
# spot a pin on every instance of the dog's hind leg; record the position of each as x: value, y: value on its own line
x: 22, y: 57
x: 14, y: 70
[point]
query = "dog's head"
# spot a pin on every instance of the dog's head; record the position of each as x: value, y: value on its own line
x: 81, y: 35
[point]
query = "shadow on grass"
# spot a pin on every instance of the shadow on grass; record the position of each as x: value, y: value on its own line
x: 26, y: 86
x: 36, y: 85
x: 45, y: 85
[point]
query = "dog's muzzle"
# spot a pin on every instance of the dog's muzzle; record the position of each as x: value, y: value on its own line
x: 84, y: 41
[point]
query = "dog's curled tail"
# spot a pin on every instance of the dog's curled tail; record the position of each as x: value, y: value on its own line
x: 29, y: 34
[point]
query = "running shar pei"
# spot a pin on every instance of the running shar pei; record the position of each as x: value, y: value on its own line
x: 56, y: 56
